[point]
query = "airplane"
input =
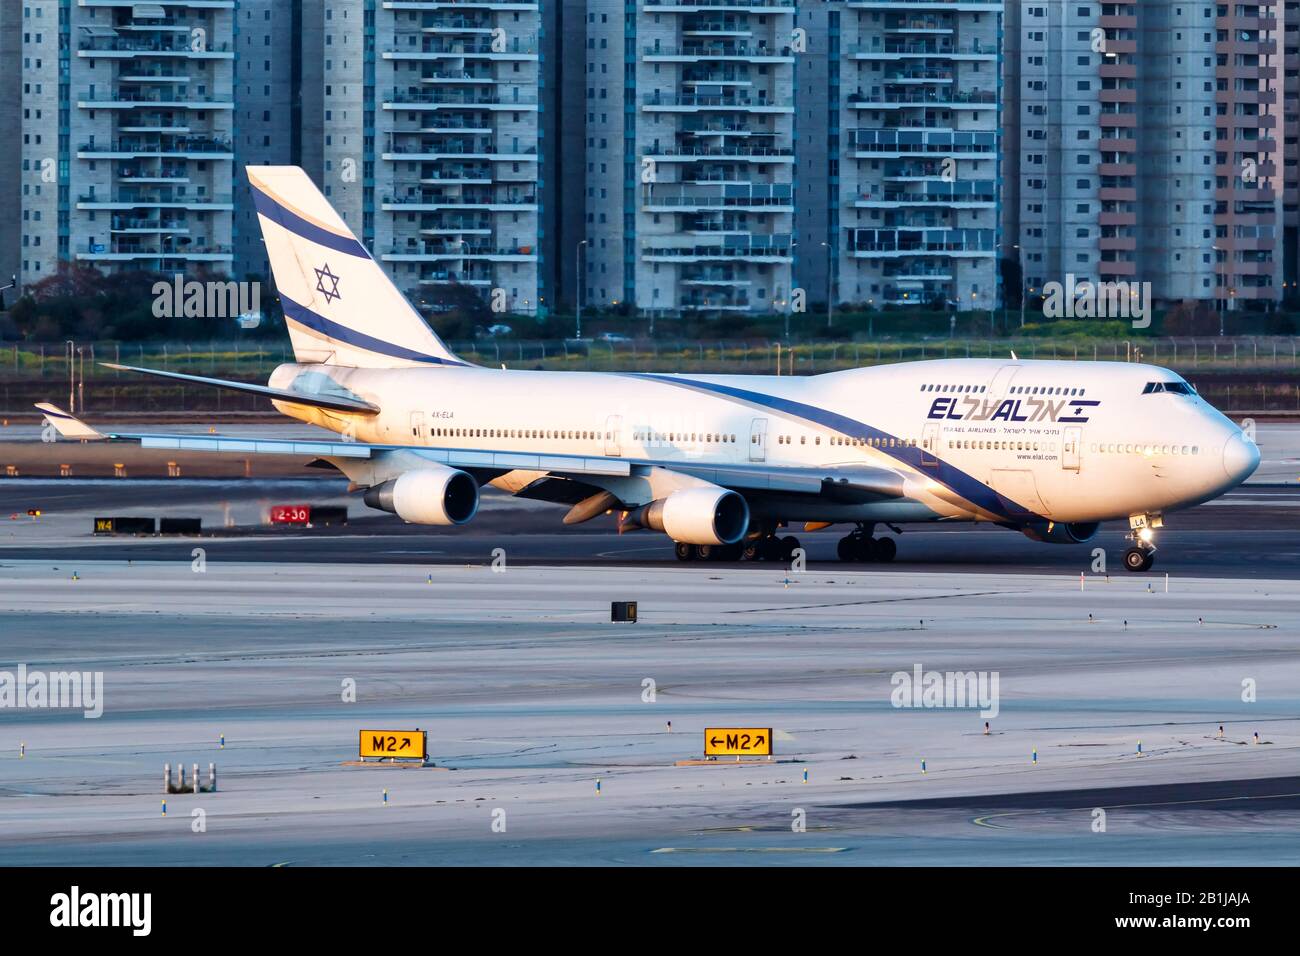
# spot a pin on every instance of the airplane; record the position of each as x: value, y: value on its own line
x: 720, y: 463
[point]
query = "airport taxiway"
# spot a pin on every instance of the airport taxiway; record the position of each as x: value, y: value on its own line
x: 530, y: 696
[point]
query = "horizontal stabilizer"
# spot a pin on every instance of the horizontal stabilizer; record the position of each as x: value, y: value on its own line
x: 338, y: 403
x: 69, y: 426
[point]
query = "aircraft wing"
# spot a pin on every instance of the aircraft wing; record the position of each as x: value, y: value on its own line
x: 336, y: 402
x: 857, y: 483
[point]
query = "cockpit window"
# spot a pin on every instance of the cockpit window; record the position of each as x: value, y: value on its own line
x: 1178, y: 388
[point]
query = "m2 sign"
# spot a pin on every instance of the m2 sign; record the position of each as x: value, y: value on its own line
x: 395, y: 744
x: 738, y: 742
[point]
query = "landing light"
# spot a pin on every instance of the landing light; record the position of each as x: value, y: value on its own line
x: 1145, y: 534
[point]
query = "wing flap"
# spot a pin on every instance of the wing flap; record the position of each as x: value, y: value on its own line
x: 455, y: 457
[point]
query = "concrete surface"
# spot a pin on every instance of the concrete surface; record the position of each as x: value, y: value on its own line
x: 530, y: 695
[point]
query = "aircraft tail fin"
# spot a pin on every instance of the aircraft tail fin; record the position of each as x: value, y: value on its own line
x: 339, y: 304
x: 69, y: 426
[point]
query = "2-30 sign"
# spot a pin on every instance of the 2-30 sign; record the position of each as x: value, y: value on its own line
x: 399, y: 744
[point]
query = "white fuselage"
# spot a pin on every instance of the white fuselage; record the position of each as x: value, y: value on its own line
x: 974, y: 439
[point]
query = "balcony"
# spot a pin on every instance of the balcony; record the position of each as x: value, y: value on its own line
x: 690, y: 103
x: 132, y: 99
x: 891, y: 142
x: 904, y: 49
x: 435, y: 202
x: 447, y: 252
x: 718, y: 50
x: 126, y: 251
x: 701, y: 6
x: 756, y: 198
x: 482, y: 48
x: 895, y: 243
x: 441, y: 151
x: 744, y: 154
x: 960, y: 194
x: 981, y: 6
x: 106, y: 47
x: 754, y: 253
x: 182, y: 146
x: 491, y: 100
x: 893, y: 99
x: 157, y: 199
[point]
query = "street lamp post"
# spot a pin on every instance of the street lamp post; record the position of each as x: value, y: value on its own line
x: 577, y: 289
x: 830, y: 284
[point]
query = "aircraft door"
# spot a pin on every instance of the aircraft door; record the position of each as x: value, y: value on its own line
x: 1001, y: 382
x: 758, y: 440
x: 613, y: 426
x: 1071, y: 448
x: 930, y: 445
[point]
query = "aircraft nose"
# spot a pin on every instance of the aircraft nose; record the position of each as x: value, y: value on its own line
x: 1240, y: 458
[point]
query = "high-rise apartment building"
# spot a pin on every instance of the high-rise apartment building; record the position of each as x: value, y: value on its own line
x: 1144, y: 145
x: 672, y: 156
x: 916, y: 157
x: 266, y: 119
x: 127, y: 135
x: 449, y: 108
x: 690, y: 155
x: 1291, y: 148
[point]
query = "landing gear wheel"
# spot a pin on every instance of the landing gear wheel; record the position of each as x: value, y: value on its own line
x: 789, y: 545
x: 1139, y: 559
x: 729, y: 552
x: 707, y: 552
x: 854, y: 549
x: 769, y: 549
x: 685, y: 552
x: 884, y: 549
x: 752, y: 552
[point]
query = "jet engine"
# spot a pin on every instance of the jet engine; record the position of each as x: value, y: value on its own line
x: 1056, y: 533
x: 707, y: 515
x: 432, y: 495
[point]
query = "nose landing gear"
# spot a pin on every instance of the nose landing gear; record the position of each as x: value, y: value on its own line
x: 1142, y: 555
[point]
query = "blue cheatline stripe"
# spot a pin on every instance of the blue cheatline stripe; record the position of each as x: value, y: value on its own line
x: 299, y: 226
x: 318, y: 323
x: 956, y: 480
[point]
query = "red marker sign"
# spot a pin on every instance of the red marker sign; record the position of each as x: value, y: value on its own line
x: 290, y: 514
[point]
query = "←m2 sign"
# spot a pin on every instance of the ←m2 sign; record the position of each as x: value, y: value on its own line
x: 738, y: 742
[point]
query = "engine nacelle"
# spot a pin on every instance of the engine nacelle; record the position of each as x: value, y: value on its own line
x: 1056, y: 533
x: 432, y: 495
x: 696, y: 516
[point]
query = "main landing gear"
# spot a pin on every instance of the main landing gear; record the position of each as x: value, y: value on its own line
x: 771, y: 547
x: 859, y: 546
x: 707, y: 552
x: 1142, y: 555
x: 768, y: 547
